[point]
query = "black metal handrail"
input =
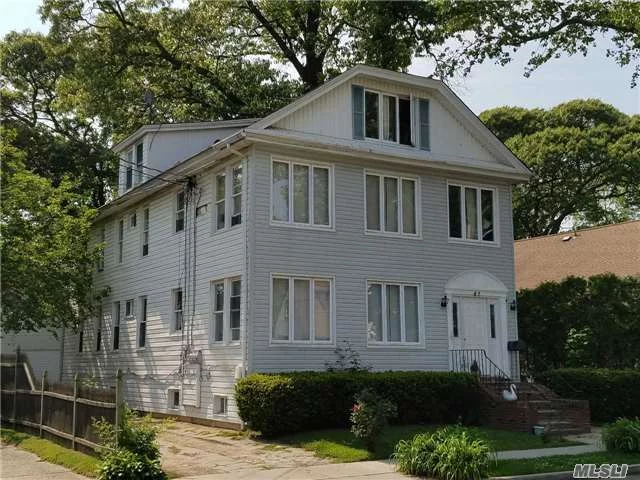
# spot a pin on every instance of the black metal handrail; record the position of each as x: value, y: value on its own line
x: 476, y: 360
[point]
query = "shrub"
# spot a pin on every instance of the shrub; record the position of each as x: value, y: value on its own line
x: 611, y: 393
x: 136, y: 454
x: 622, y: 435
x: 448, y: 453
x: 369, y: 415
x: 276, y: 404
x: 121, y: 463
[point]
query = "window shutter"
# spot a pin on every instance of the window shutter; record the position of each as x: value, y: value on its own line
x: 357, y: 102
x: 425, y: 143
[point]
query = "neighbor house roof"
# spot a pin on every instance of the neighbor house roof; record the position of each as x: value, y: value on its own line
x: 607, y: 249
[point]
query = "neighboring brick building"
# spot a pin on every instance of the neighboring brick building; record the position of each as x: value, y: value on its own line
x: 607, y: 249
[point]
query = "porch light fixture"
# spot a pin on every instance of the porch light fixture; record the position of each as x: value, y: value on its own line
x: 444, y: 301
x: 513, y: 305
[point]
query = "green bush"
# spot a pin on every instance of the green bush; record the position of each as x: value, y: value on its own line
x: 283, y: 403
x: 622, y: 435
x: 448, y: 453
x: 120, y: 463
x: 369, y: 415
x: 611, y: 393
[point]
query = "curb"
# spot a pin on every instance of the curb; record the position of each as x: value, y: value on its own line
x: 635, y: 468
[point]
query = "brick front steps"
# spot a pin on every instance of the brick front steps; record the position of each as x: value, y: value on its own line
x: 536, y: 405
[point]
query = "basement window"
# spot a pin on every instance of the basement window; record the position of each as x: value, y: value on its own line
x: 174, y: 398
x: 220, y: 405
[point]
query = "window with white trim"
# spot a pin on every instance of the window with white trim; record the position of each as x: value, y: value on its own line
x: 472, y: 213
x: 301, y: 310
x: 176, y: 315
x: 139, y: 163
x: 174, y: 398
x: 103, y: 237
x: 116, y: 325
x: 180, y: 211
x: 228, y: 197
x: 128, y: 178
x: 393, y: 313
x: 120, y: 240
x: 142, y: 323
x: 145, y: 232
x: 387, y: 117
x: 301, y: 193
x: 226, y: 308
x: 128, y: 308
x: 133, y: 220
x: 391, y: 204
x: 220, y: 405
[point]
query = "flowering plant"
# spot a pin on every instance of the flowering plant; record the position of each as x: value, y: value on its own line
x: 369, y: 415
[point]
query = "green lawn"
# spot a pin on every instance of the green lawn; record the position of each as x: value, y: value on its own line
x: 559, y: 463
x: 341, y: 446
x: 52, y: 452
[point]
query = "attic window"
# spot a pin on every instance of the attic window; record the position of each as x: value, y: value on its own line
x: 387, y: 117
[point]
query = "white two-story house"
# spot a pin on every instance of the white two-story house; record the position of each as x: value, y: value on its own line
x: 375, y: 209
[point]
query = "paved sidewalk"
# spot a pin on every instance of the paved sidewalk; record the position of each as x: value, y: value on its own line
x: 374, y: 470
x: 592, y: 440
x: 16, y: 464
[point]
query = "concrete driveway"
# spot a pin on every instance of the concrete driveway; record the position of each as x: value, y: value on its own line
x: 16, y: 464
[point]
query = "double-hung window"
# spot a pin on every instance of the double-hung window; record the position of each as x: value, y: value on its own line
x: 139, y: 163
x: 128, y: 308
x: 393, y: 313
x: 228, y: 198
x: 226, y: 302
x: 180, y: 211
x: 142, y: 323
x: 120, y: 240
x: 145, y: 232
x: 301, y: 310
x: 391, y: 203
x: 128, y: 180
x: 116, y: 325
x: 472, y: 213
x: 103, y: 236
x: 301, y: 194
x: 177, y: 301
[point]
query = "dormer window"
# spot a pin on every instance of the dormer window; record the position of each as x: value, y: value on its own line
x: 129, y: 170
x: 139, y: 163
x: 387, y: 117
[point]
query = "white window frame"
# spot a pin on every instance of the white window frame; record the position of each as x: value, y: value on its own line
x: 144, y: 315
x: 219, y: 400
x: 417, y: 204
x: 402, y: 343
x: 170, y: 396
x: 132, y: 310
x: 174, y: 311
x: 139, y: 173
x: 120, y: 233
x: 332, y: 311
x: 101, y: 254
x: 145, y: 230
x: 496, y: 214
x: 227, y: 171
x: 311, y: 164
x: 176, y: 211
x: 226, y: 310
x: 397, y: 97
x: 129, y: 166
x: 117, y: 322
x: 133, y: 220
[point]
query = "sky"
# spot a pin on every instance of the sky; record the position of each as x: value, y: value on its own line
x: 488, y: 85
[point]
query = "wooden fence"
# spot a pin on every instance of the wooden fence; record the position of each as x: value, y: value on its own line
x: 64, y: 411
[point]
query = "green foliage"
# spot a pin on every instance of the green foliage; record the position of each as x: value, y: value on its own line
x: 623, y: 435
x: 448, y: 453
x: 348, y: 359
x: 297, y: 401
x: 369, y: 415
x: 583, y: 155
x: 581, y: 323
x: 136, y: 454
x: 121, y: 463
x: 611, y: 393
x: 46, y: 264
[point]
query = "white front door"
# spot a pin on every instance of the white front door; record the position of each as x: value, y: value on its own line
x: 476, y: 324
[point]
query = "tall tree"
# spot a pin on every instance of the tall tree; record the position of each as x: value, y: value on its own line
x: 585, y: 158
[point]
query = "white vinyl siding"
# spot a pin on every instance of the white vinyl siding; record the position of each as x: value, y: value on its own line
x: 391, y: 204
x: 472, y: 213
x: 301, y: 193
x: 394, y: 313
x: 301, y: 310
